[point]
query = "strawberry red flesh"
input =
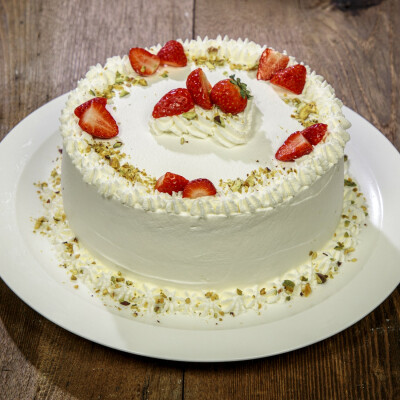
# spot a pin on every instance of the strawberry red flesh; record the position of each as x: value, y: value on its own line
x: 81, y: 109
x: 175, y: 102
x: 143, y: 62
x: 170, y: 182
x: 199, y: 188
x: 98, y: 122
x: 295, y: 146
x: 291, y: 78
x: 230, y: 95
x: 271, y: 61
x: 173, y: 54
x: 200, y: 88
x: 315, y: 133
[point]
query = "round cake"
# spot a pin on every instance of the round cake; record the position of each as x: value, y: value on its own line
x: 267, y: 212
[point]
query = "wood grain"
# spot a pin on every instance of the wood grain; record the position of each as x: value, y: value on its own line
x: 46, y: 46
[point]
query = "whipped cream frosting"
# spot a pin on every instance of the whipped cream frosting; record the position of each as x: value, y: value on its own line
x: 139, y: 297
x: 230, y: 131
x: 227, y: 163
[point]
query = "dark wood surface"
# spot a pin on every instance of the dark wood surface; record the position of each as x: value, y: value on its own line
x: 46, y: 46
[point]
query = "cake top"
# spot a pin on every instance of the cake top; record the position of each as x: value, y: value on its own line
x: 237, y: 153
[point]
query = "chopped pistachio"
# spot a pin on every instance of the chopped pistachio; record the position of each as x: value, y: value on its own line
x: 190, y: 115
x: 212, y: 50
x: 92, y: 93
x: 220, y: 121
x: 143, y: 69
x: 340, y: 246
x: 123, y: 93
x: 142, y: 82
x: 164, y: 74
x: 349, y: 250
x: 288, y: 285
x: 350, y: 183
x: 321, y: 278
x: 39, y: 222
x: 117, y: 145
x: 114, y: 163
x: 306, y: 289
x: 239, y: 292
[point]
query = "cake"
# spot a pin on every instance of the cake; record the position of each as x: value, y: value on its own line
x: 266, y: 215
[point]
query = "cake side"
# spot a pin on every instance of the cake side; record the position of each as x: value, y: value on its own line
x: 215, y: 252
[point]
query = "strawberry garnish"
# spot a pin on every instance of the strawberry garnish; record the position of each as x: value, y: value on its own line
x: 230, y: 95
x: 271, y: 61
x: 80, y: 109
x: 200, y: 88
x: 199, y: 188
x: 295, y: 146
x: 175, y: 102
x: 170, y: 182
x: 291, y: 78
x: 315, y: 133
x: 173, y: 54
x: 143, y: 62
x: 97, y: 121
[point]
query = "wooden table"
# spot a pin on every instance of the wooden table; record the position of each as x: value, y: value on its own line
x: 46, y: 46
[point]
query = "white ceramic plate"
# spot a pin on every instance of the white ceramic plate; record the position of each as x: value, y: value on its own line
x: 29, y: 266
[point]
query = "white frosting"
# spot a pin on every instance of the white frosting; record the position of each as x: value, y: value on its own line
x: 202, y: 158
x: 236, y: 129
x: 231, y: 239
x: 219, y: 251
x: 142, y: 298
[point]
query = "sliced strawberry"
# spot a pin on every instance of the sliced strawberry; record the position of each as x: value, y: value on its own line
x: 271, y: 61
x: 97, y: 121
x: 175, y: 102
x: 291, y: 78
x: 200, y: 88
x: 295, y: 146
x: 80, y: 109
x: 143, y: 62
x: 230, y: 95
x: 170, y: 182
x: 315, y: 133
x: 199, y: 188
x: 173, y: 54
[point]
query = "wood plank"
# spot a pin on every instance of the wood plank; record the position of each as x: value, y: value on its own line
x: 40, y: 360
x: 46, y: 46
x: 356, y: 52
x: 360, y: 363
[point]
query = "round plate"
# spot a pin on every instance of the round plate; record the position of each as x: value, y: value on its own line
x: 29, y: 266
